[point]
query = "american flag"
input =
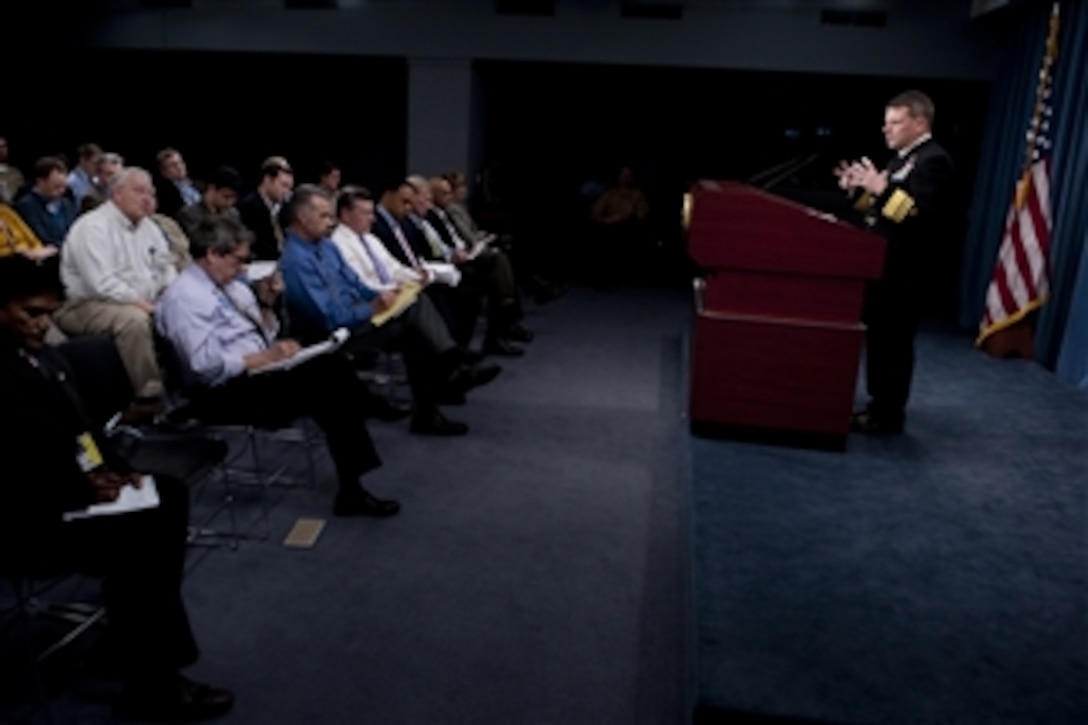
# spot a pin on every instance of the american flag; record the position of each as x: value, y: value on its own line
x: 1020, y: 284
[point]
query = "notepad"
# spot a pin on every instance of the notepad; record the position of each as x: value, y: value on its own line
x: 406, y: 297
x: 129, y: 499
x: 256, y: 271
x: 307, y: 353
x: 443, y: 273
x: 477, y: 249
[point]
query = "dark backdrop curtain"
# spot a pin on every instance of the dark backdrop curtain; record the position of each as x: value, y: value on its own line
x: 1061, y: 339
x: 1062, y: 334
x: 1003, y: 147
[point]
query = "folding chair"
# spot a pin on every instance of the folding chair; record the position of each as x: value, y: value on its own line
x: 29, y: 603
x: 104, y: 390
x: 256, y: 474
x: 189, y: 456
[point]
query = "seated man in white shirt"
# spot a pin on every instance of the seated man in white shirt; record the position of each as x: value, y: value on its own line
x: 362, y: 251
x: 115, y: 264
x: 379, y: 270
x: 490, y: 272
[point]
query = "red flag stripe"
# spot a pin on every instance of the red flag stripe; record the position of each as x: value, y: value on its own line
x: 1022, y: 239
x: 1039, y: 222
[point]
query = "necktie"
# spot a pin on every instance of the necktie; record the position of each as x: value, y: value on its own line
x: 242, y: 311
x: 34, y: 362
x: 399, y: 234
x: 383, y: 273
x: 461, y: 244
x: 189, y: 194
x: 432, y: 239
x: 276, y: 229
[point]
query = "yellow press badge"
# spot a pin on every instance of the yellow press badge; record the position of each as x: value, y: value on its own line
x: 87, y: 453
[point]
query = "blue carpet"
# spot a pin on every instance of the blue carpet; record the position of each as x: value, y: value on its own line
x: 935, y: 577
x: 538, y: 572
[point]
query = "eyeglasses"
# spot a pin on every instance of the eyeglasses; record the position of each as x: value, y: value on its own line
x: 242, y: 258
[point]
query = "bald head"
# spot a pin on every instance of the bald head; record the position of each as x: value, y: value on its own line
x: 132, y: 191
x: 423, y: 200
x: 442, y: 191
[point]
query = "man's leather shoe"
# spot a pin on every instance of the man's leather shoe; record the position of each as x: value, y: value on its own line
x: 142, y: 411
x: 181, y: 700
x: 548, y: 293
x: 466, y: 378
x: 469, y: 357
x: 450, y: 396
x: 518, y: 333
x: 503, y: 347
x: 383, y: 409
x: 436, y: 424
x: 364, y: 504
x: 865, y: 421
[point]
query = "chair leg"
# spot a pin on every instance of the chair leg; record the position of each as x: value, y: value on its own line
x: 264, y: 482
x: 310, y: 440
x: 310, y: 465
x: 254, y: 473
x: 228, y: 492
x: 84, y: 616
x: 23, y: 597
x: 94, y: 618
x: 198, y: 534
x: 40, y: 691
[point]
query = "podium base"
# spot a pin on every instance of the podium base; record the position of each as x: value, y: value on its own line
x: 765, y: 436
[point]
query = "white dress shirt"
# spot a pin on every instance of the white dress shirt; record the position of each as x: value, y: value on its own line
x: 903, y: 152
x: 105, y: 256
x: 455, y: 235
x: 351, y: 247
x: 80, y: 183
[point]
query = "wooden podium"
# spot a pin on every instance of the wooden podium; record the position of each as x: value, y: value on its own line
x: 777, y: 332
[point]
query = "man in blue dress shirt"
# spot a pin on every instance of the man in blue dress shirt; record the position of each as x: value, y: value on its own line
x: 81, y: 181
x: 324, y: 293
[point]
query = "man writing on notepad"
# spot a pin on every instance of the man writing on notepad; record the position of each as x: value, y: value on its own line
x: 362, y: 251
x: 324, y: 294
x: 220, y: 333
x: 59, y: 462
x: 372, y: 263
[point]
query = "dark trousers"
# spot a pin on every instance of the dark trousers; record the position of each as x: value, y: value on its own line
x: 459, y: 306
x: 140, y: 557
x: 421, y: 334
x: 533, y: 260
x: 891, y: 314
x: 324, y: 389
x: 494, y: 275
